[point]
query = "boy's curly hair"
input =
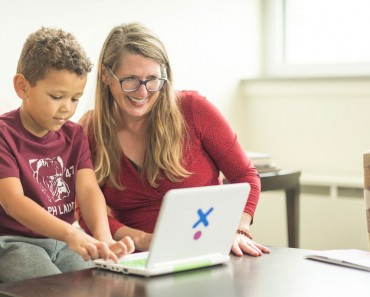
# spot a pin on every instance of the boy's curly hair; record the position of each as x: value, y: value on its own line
x: 50, y: 48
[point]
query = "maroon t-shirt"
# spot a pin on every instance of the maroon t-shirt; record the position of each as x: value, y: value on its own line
x: 46, y: 166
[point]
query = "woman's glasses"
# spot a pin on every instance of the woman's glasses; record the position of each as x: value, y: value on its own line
x: 131, y: 84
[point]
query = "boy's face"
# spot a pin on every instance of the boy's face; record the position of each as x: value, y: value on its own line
x: 51, y: 102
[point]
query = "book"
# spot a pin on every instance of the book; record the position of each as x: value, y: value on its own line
x: 262, y: 162
x: 267, y: 168
x: 353, y: 258
x: 259, y: 159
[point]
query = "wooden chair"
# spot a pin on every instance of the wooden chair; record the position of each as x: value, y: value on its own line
x: 367, y: 189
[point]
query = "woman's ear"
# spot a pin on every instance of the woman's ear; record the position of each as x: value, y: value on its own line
x: 103, y: 72
x: 21, y: 85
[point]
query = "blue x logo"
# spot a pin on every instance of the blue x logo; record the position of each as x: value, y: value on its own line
x: 203, y: 217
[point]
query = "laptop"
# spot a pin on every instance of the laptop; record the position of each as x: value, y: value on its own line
x: 195, y: 228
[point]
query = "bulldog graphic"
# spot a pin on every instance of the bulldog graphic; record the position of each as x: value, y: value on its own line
x: 49, y: 175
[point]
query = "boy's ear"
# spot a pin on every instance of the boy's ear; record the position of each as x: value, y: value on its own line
x: 21, y: 85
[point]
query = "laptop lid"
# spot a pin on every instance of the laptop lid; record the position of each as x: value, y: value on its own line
x: 195, y: 222
x: 195, y: 228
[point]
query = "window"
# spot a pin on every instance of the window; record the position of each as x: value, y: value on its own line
x: 316, y: 37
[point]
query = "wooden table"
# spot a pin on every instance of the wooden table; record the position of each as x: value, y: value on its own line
x: 287, y: 180
x: 284, y: 272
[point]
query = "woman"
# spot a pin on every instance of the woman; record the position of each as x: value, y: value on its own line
x: 146, y: 139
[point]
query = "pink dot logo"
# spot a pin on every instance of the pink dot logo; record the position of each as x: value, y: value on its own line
x: 197, y: 235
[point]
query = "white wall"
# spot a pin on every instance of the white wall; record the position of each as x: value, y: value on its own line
x: 211, y: 44
x: 321, y: 127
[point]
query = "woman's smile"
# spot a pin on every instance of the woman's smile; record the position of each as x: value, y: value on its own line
x: 137, y: 101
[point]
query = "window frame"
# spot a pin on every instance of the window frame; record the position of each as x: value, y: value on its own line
x: 273, y: 43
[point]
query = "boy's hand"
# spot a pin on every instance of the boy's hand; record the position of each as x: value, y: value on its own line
x: 90, y: 248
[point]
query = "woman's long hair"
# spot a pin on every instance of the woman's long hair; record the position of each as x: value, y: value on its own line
x: 165, y: 124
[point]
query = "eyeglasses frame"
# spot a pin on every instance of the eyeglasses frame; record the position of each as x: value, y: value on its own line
x: 141, y: 82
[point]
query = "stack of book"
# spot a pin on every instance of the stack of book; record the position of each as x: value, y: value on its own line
x: 263, y: 162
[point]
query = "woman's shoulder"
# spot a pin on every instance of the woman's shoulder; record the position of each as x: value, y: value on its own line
x: 189, y: 95
x: 189, y: 100
x: 195, y: 103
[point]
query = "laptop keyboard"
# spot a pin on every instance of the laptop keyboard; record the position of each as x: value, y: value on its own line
x: 141, y: 262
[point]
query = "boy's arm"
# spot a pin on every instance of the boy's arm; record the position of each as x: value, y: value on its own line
x: 40, y: 221
x: 29, y: 213
x: 93, y: 209
x: 92, y: 205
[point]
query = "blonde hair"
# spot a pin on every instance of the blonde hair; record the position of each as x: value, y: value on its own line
x: 165, y: 124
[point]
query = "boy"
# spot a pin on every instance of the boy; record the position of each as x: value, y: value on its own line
x: 45, y: 164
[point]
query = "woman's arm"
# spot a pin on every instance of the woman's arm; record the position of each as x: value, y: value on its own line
x: 243, y: 241
x: 222, y: 145
x: 141, y: 239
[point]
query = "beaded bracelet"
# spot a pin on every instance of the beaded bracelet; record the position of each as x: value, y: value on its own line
x: 245, y: 233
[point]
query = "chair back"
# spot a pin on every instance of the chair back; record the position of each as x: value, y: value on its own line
x: 366, y: 161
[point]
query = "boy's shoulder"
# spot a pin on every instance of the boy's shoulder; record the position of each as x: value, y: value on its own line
x: 9, y: 114
x: 72, y: 125
x: 9, y: 119
x: 72, y: 129
x: 11, y: 126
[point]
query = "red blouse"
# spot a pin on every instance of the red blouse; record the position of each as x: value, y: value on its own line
x: 213, y: 148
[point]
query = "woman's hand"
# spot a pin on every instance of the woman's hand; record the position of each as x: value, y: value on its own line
x: 122, y: 247
x: 140, y: 238
x: 245, y: 245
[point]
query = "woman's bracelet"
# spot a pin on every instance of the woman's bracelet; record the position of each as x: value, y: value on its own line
x: 245, y: 233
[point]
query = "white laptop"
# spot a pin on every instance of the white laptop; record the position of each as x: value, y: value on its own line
x: 195, y: 228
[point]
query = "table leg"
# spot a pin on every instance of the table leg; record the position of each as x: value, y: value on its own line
x: 292, y: 207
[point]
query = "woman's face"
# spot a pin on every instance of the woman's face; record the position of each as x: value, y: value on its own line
x: 138, y: 104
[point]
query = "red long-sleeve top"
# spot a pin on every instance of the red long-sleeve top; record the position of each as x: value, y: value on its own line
x: 214, y: 148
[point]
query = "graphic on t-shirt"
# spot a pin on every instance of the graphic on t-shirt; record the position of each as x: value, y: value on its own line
x: 49, y: 175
